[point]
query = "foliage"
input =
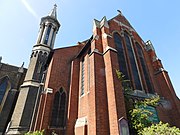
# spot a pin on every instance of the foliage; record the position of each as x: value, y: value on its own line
x: 160, y: 129
x: 54, y: 133
x: 153, y: 101
x: 120, y: 75
x: 35, y: 133
x: 140, y: 116
x: 125, y: 83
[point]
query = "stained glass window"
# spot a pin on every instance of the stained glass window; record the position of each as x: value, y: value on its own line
x: 121, y: 56
x: 132, y: 62
x: 144, y: 68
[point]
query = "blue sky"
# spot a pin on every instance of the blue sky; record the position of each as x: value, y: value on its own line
x: 157, y: 20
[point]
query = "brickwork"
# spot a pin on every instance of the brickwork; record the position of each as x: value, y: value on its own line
x: 101, y: 105
x: 94, y: 95
x: 81, y: 130
x: 97, y: 97
x: 169, y: 94
x: 58, y: 75
x: 164, y: 88
x: 72, y: 113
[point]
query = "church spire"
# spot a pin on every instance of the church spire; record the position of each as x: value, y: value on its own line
x: 53, y: 12
x: 24, y: 114
x: 49, y: 27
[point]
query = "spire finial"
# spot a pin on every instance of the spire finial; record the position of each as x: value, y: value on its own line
x: 21, y: 69
x: 53, y: 12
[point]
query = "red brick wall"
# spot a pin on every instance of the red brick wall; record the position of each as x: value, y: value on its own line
x: 172, y: 113
x: 161, y: 82
x: 58, y: 75
x: 73, y: 98
x: 103, y: 101
x: 81, y: 130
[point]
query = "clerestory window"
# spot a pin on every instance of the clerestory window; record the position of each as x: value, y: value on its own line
x: 132, y: 62
x: 144, y: 67
x: 121, y: 56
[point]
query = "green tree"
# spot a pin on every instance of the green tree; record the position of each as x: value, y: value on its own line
x: 126, y: 85
x: 35, y: 133
x: 160, y: 129
x: 139, y: 117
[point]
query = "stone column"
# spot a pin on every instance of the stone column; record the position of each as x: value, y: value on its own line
x: 40, y: 34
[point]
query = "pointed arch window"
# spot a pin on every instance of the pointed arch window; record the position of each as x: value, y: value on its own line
x: 121, y: 56
x: 3, y: 88
x: 58, y: 110
x: 144, y: 67
x: 132, y: 62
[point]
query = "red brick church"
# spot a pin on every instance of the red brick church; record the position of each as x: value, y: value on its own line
x: 75, y: 90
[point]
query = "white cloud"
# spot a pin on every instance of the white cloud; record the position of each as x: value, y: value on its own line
x: 29, y: 8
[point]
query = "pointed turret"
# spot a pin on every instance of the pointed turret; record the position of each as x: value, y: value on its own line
x: 149, y: 46
x: 100, y: 24
x: 21, y: 69
x: 104, y: 22
x: 96, y: 24
x: 49, y: 27
x: 53, y: 12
